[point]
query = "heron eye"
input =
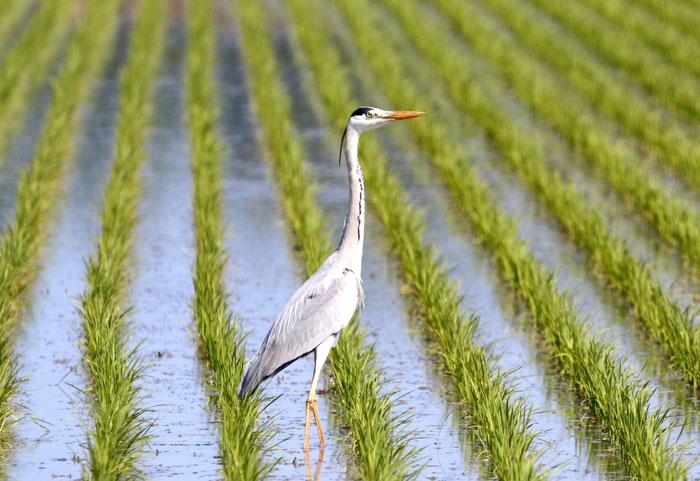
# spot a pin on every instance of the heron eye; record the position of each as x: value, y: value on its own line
x: 369, y: 115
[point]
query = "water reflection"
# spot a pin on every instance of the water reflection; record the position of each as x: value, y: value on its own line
x: 319, y: 464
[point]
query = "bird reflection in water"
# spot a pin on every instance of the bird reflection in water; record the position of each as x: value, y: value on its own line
x: 319, y: 463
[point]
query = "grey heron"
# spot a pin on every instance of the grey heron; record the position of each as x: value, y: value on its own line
x: 322, y: 307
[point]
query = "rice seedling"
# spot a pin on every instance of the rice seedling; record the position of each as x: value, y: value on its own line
x: 673, y: 87
x: 244, y: 439
x: 13, y: 11
x: 40, y: 183
x: 380, y: 440
x: 616, y: 396
x: 679, y: 47
x: 500, y: 419
x: 672, y: 217
x: 665, y: 321
x: 120, y: 428
x: 27, y: 63
x: 665, y: 135
x: 682, y: 15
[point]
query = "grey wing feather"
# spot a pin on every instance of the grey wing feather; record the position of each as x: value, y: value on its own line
x: 320, y: 308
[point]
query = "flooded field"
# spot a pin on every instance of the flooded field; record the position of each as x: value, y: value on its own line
x: 150, y: 201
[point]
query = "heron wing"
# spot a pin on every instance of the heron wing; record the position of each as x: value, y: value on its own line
x: 321, y: 307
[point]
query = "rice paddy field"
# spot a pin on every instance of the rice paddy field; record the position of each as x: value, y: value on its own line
x: 169, y: 177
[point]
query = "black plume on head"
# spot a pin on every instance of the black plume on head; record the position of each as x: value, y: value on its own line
x: 361, y: 111
x: 358, y: 111
x: 340, y: 153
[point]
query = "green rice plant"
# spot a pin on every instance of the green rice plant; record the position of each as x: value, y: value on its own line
x: 12, y: 13
x: 244, y: 439
x: 28, y: 62
x: 672, y: 217
x: 670, y: 325
x: 665, y: 321
x: 379, y: 438
x: 500, y: 419
x: 665, y: 135
x: 40, y: 184
x: 679, y: 47
x: 615, y: 395
x: 120, y: 429
x: 683, y: 15
x: 674, y: 88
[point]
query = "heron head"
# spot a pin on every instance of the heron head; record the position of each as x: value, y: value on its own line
x: 368, y: 118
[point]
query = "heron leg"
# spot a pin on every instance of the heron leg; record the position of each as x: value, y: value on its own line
x: 308, y: 424
x: 320, y: 356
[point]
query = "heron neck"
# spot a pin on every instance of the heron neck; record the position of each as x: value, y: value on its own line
x: 350, y: 247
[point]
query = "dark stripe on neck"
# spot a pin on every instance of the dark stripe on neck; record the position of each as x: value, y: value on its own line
x: 360, y: 201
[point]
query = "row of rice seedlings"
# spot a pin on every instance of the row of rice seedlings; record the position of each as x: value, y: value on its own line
x: 670, y: 325
x: 120, y: 427
x: 679, y: 47
x: 616, y: 396
x: 665, y: 135
x: 13, y: 12
x: 28, y: 62
x: 683, y: 15
x: 673, y: 87
x: 379, y: 438
x: 671, y: 216
x: 500, y: 419
x: 243, y: 437
x: 40, y: 184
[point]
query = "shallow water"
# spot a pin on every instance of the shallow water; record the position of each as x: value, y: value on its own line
x: 185, y: 438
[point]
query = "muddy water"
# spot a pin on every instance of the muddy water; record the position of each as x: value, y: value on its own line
x: 185, y: 437
x: 49, y: 438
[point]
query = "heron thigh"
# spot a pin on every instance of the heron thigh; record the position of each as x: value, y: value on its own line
x: 321, y: 353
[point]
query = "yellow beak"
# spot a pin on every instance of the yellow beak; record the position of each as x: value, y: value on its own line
x: 403, y: 114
